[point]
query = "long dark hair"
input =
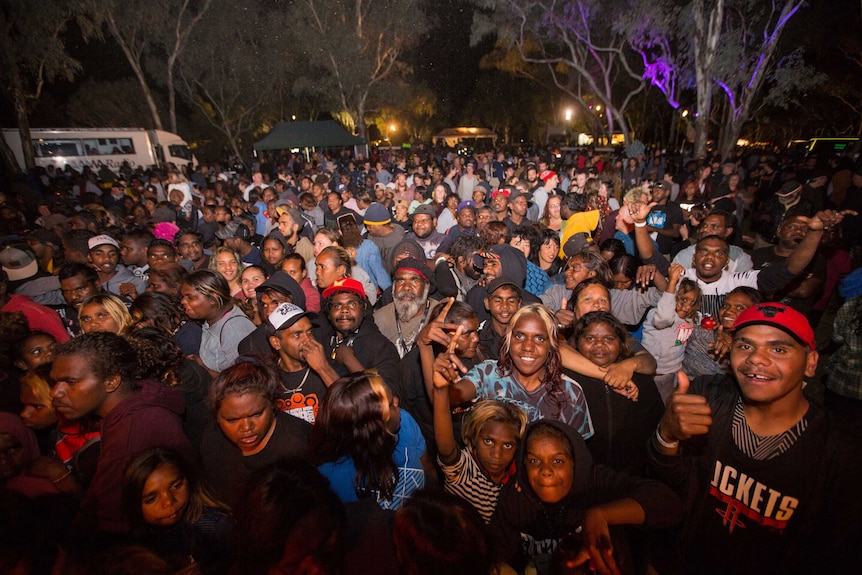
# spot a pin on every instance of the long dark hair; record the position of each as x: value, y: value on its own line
x: 352, y: 423
x: 588, y: 319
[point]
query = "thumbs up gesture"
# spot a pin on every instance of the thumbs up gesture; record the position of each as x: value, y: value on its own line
x: 685, y: 414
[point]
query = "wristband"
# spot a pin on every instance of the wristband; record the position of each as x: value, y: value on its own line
x: 663, y: 443
x: 62, y: 477
x: 640, y: 225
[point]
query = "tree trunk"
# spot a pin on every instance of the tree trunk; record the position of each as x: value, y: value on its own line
x: 360, y: 120
x: 706, y: 36
x: 21, y: 116
x: 172, y: 96
x: 8, y: 156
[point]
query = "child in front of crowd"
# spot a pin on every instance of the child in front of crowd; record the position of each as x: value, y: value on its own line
x: 669, y: 325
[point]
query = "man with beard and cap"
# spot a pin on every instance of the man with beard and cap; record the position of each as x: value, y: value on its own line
x: 802, y: 291
x: 403, y: 319
x: 279, y: 288
x: 303, y: 368
x: 385, y: 235
x: 353, y: 340
x: 425, y: 233
x: 501, y: 260
x: 290, y: 226
x: 787, y: 201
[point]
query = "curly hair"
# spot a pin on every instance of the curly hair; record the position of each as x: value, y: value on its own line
x: 159, y: 355
x: 172, y: 274
x: 596, y: 264
x: 340, y: 257
x: 492, y: 410
x: 608, y: 318
x: 553, y: 364
x: 163, y: 310
x: 352, y: 423
x: 531, y: 233
x: 107, y: 354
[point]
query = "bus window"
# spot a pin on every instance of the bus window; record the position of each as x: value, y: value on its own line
x: 180, y: 151
x: 108, y: 146
x: 57, y: 148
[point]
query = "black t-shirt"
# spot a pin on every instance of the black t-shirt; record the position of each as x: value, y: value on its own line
x: 300, y: 393
x: 663, y: 218
x: 766, y: 257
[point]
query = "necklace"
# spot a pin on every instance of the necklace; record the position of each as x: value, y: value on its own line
x: 298, y: 387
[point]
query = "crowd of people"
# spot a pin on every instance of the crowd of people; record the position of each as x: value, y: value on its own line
x: 433, y: 362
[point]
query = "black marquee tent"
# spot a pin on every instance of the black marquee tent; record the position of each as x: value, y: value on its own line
x: 326, y: 134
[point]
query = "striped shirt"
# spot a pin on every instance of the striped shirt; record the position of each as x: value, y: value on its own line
x: 466, y: 479
x: 763, y: 448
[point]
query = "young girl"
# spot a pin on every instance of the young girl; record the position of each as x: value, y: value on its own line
x: 668, y: 327
x: 365, y: 445
x: 491, y: 432
x: 529, y: 373
x: 559, y: 493
x: 172, y: 514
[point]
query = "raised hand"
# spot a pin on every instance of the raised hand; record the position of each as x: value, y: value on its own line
x: 436, y: 330
x: 447, y: 366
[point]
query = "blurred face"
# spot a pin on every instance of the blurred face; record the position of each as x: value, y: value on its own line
x: 346, y: 312
x: 157, y: 283
x: 294, y: 341
x: 294, y: 269
x: 554, y: 207
x: 190, y: 248
x: 550, y: 468
x: 466, y: 218
x: 792, y: 232
x: 710, y: 259
x: 333, y: 202
x: 500, y: 203
x: 502, y: 304
x: 622, y: 281
x: 132, y: 253
x: 328, y: 271
x: 94, y: 317
x: 286, y: 225
x: 251, y: 278
x: 196, y: 305
x: 104, y: 258
x: 321, y: 241
x: 493, y: 269
x: 247, y: 421
x: 576, y: 272
x: 273, y: 251
x: 548, y: 252
x: 478, y: 196
x: 37, y: 349
x: 77, y: 391
x: 482, y: 218
x: 165, y: 496
x: 519, y: 206
x: 423, y: 225
x: 531, y: 346
x: 271, y: 299
x: 495, y: 448
x: 734, y: 304
x: 160, y: 256
x: 592, y: 298
x: 469, y: 339
x: 770, y: 365
x: 600, y: 344
x: 685, y: 303
x: 13, y: 456
x: 712, y: 226
x: 227, y: 266
x: 35, y: 414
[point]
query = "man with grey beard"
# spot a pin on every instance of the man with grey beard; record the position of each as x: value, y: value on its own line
x: 401, y: 320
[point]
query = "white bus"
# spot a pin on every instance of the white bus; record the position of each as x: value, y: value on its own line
x: 101, y: 147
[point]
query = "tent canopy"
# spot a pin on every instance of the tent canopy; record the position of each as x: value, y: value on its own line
x: 326, y: 134
x: 453, y: 136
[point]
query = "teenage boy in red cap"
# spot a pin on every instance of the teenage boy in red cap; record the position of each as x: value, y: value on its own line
x: 772, y: 484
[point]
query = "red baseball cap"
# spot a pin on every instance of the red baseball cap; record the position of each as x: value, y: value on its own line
x: 547, y: 175
x: 344, y: 285
x: 501, y: 192
x: 778, y: 315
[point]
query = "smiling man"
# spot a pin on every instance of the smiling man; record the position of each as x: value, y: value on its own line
x: 772, y: 483
x: 104, y: 256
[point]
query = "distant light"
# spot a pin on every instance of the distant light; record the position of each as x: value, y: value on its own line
x: 293, y: 117
x: 685, y: 113
x: 568, y: 114
x: 598, y: 107
x: 393, y: 127
x: 743, y: 142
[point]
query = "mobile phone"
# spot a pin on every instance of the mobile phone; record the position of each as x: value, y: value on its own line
x: 346, y: 221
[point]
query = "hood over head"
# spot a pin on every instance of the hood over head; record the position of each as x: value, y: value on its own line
x: 582, y: 457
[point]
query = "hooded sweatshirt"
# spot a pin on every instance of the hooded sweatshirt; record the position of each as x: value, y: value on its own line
x: 151, y: 417
x: 526, y: 529
x: 513, y: 265
x: 257, y: 342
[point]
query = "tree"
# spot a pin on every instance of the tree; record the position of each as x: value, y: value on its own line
x: 360, y: 43
x: 749, y: 54
x: 708, y: 20
x: 576, y: 40
x: 33, y: 53
x: 153, y: 35
x: 229, y: 81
